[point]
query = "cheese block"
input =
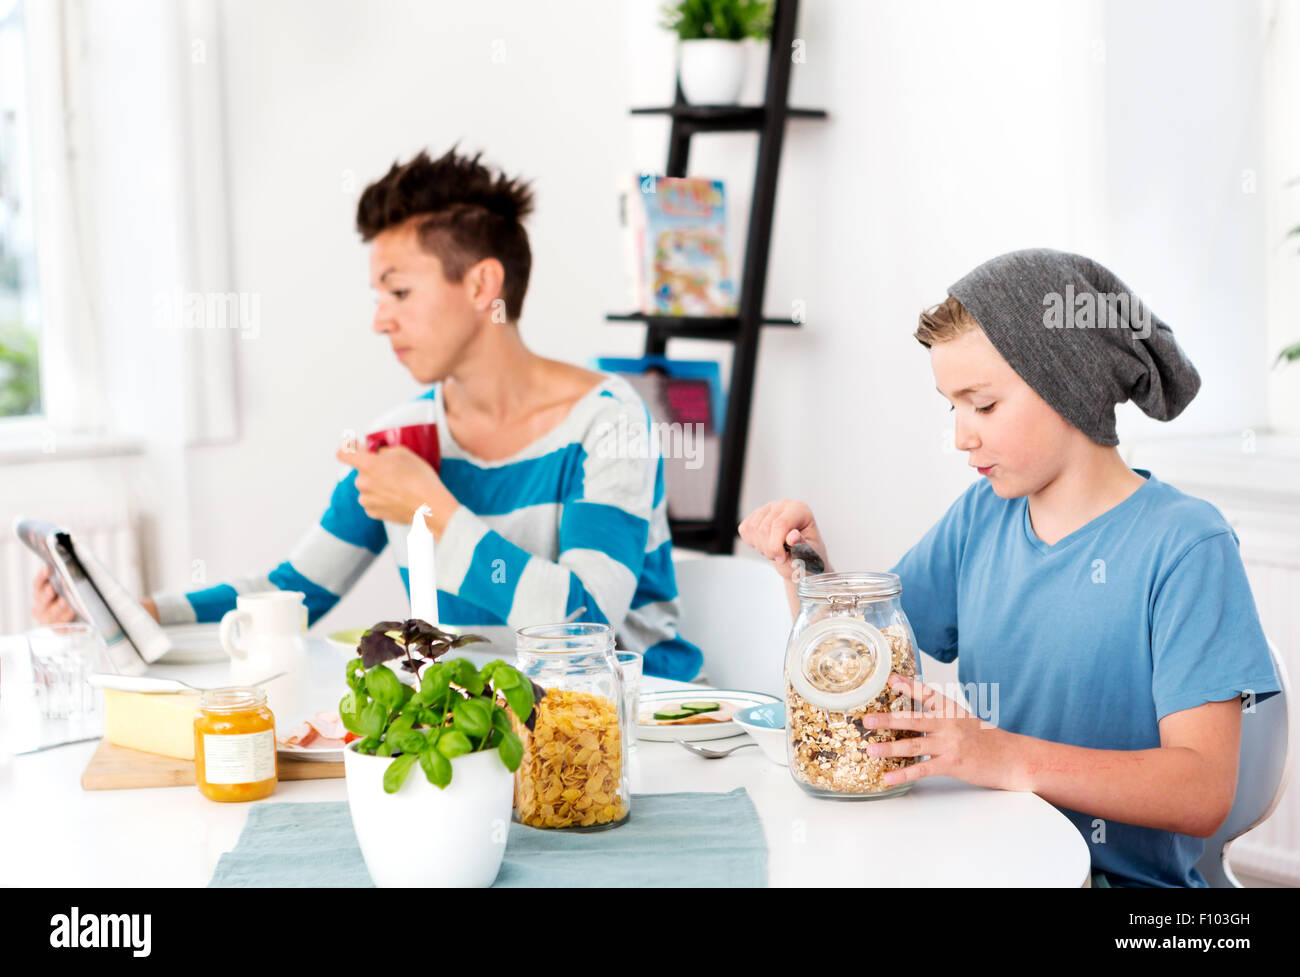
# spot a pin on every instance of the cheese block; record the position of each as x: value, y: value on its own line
x: 151, y: 721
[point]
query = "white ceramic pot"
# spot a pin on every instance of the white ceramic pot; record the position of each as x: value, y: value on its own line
x: 712, y: 72
x: 427, y: 837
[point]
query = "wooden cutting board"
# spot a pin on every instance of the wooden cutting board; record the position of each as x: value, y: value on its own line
x: 117, y: 768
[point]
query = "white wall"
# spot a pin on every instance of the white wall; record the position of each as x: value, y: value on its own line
x: 322, y: 97
x: 956, y: 131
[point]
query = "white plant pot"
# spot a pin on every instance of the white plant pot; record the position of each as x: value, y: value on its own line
x: 426, y: 837
x: 712, y: 72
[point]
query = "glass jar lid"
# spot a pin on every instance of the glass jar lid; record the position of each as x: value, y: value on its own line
x: 564, y: 639
x: 850, y: 586
x: 839, y: 663
x: 232, y: 699
x: 569, y: 643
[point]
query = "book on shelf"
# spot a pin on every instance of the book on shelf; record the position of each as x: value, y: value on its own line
x: 687, y: 407
x: 676, y: 246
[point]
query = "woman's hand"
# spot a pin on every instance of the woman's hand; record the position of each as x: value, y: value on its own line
x: 393, y: 482
x: 785, y: 521
x: 959, y: 744
x: 47, y: 606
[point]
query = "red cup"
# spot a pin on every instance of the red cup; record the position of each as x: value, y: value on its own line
x: 420, y: 438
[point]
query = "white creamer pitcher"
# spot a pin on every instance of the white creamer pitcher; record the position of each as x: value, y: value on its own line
x: 263, y: 636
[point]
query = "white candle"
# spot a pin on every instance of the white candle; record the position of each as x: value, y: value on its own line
x: 420, y: 569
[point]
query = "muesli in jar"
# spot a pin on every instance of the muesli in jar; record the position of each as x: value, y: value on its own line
x: 849, y: 636
x: 828, y: 750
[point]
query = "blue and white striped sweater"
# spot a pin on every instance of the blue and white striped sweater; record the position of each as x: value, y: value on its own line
x: 575, y: 519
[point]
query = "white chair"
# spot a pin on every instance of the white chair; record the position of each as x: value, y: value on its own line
x: 1262, y: 774
x: 734, y: 609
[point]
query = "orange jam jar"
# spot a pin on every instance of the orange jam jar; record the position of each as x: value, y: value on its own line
x: 234, y: 745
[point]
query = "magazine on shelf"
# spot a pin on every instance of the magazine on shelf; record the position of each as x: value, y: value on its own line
x: 676, y: 231
x: 686, y: 406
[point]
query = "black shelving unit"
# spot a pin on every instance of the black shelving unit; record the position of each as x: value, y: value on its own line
x: 717, y: 535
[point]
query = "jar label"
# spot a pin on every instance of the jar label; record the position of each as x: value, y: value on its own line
x: 238, y: 758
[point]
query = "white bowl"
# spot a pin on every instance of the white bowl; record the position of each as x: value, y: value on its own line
x: 760, y: 722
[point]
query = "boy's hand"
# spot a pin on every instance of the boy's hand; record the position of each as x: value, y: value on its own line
x: 393, y: 482
x: 959, y: 745
x: 767, y: 529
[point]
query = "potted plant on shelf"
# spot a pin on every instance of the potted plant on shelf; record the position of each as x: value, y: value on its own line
x: 711, y: 63
x: 446, y: 824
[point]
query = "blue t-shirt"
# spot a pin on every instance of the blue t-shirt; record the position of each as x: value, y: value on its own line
x: 1091, y: 641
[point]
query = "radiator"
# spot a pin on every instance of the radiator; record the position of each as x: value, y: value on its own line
x: 1272, y: 851
x: 1254, y: 480
x: 110, y: 533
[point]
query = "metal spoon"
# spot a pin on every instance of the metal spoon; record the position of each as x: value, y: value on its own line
x: 152, y: 684
x: 711, y: 754
x: 812, y: 561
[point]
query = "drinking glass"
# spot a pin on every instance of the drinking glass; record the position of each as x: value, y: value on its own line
x: 63, y: 657
x: 631, y: 663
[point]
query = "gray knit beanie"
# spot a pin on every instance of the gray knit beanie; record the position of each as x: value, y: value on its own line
x: 1080, y: 337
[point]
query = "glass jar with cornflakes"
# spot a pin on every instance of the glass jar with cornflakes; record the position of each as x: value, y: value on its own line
x: 850, y: 635
x: 574, y: 771
x: 234, y: 745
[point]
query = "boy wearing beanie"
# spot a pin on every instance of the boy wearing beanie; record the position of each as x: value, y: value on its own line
x: 1109, y: 611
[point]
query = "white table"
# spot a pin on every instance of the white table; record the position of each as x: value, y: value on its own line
x: 941, y: 833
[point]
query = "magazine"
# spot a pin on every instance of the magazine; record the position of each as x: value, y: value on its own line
x: 676, y: 231
x: 133, y: 638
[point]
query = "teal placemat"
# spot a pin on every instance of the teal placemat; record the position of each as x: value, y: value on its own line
x: 688, y: 839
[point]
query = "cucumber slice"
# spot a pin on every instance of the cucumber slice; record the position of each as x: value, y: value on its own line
x: 701, y: 706
x: 675, y: 714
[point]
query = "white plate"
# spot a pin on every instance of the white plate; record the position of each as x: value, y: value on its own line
x: 695, y: 733
x: 193, y: 644
x: 346, y: 641
x: 311, y: 754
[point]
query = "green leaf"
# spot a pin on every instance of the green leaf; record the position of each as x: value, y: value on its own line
x: 512, y: 751
x: 503, y: 676
x: 437, y: 768
x: 384, y: 749
x: 501, y: 720
x: 1288, y: 355
x: 384, y: 686
x: 368, y: 745
x: 409, y: 741
x: 466, y: 675
x: 434, y: 682
x: 453, y: 743
x: 396, y: 773
x: 520, y: 700
x: 431, y: 716
x: 401, y: 724
x: 373, y: 719
x: 348, y: 713
x: 473, y: 716
x: 356, y: 674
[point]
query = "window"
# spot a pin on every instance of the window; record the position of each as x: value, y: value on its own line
x: 20, y: 385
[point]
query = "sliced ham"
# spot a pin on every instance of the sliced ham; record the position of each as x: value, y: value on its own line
x: 323, y: 731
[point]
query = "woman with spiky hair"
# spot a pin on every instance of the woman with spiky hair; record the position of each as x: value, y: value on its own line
x: 536, y: 518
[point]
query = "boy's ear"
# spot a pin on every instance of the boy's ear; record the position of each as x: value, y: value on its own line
x: 484, y: 282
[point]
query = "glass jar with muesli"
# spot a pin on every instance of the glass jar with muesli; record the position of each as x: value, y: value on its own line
x: 851, y: 633
x: 574, y: 770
